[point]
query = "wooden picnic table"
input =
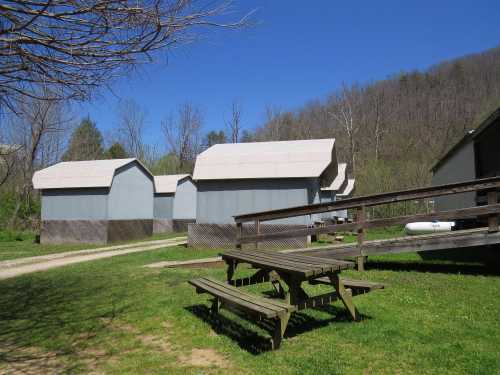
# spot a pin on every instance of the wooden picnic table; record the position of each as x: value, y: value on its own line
x: 278, y: 268
x: 293, y: 270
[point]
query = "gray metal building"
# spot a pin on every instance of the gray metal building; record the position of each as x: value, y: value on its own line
x: 240, y: 178
x: 96, y: 201
x: 476, y: 155
x: 174, y: 203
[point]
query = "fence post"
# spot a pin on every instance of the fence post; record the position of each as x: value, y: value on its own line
x: 360, y: 219
x: 257, y: 232
x: 492, y: 218
x: 239, y: 234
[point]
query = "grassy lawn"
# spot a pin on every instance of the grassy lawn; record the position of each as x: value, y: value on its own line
x: 25, y: 246
x: 371, y: 234
x: 114, y: 316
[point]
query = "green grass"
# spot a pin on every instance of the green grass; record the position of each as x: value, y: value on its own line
x: 371, y: 234
x: 23, y: 245
x: 114, y: 316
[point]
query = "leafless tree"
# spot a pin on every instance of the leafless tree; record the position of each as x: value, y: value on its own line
x: 39, y: 137
x: 71, y: 47
x: 183, y: 134
x: 9, y: 156
x: 130, y: 127
x: 343, y: 111
x: 233, y: 125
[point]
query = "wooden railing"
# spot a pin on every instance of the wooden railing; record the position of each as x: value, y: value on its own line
x: 491, y: 210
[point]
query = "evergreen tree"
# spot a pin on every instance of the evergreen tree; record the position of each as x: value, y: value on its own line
x: 116, y: 151
x: 85, y: 142
x: 214, y: 138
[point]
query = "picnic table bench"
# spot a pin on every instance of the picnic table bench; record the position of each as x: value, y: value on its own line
x: 279, y: 269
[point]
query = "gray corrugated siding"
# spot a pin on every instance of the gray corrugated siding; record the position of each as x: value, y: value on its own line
x: 185, y: 200
x: 218, y: 201
x: 163, y: 206
x: 459, y: 167
x: 74, y: 204
x: 131, y: 194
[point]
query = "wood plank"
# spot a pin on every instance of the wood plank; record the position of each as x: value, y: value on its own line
x: 360, y: 219
x: 493, y: 217
x: 262, y: 263
x: 428, y: 242
x: 258, y: 300
x: 320, y: 264
x: 308, y: 269
x: 376, y: 199
x: 357, y: 286
x: 321, y: 300
x: 248, y: 306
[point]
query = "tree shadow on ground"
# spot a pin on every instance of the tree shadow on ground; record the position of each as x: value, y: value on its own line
x: 35, y: 313
x: 256, y: 343
x: 434, y: 267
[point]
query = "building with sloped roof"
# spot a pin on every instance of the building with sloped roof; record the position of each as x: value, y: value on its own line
x: 235, y: 179
x: 174, y: 203
x: 97, y: 201
x: 476, y: 155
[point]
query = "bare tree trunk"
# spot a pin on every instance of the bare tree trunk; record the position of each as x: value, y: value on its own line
x: 234, y: 123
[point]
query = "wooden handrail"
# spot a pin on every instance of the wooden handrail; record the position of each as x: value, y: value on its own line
x: 463, y: 213
x: 491, y: 210
x: 373, y: 200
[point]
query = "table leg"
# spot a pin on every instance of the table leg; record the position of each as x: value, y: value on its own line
x: 280, y: 325
x: 345, y: 295
x: 231, y: 267
x: 295, y: 294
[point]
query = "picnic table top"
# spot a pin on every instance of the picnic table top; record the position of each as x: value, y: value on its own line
x: 303, y: 265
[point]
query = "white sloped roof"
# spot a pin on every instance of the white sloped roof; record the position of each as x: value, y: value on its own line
x: 348, y: 189
x: 338, y: 180
x: 168, y: 183
x: 79, y: 174
x: 285, y: 159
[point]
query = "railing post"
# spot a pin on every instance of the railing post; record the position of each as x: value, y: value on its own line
x: 492, y: 218
x: 257, y: 232
x: 239, y: 234
x: 360, y: 219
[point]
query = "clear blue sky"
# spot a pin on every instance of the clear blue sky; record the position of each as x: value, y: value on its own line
x: 301, y: 51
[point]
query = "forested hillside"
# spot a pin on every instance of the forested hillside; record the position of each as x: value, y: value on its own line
x: 392, y: 131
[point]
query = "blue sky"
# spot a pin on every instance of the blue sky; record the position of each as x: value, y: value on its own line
x: 300, y: 51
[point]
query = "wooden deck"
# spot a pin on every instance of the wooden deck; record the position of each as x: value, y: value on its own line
x: 426, y: 242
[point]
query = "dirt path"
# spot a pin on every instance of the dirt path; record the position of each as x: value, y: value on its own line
x: 17, y: 267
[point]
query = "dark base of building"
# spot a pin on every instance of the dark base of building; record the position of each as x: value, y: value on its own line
x: 171, y: 226
x: 94, y: 231
x: 224, y: 236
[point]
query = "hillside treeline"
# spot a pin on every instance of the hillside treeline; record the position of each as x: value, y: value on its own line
x: 392, y: 131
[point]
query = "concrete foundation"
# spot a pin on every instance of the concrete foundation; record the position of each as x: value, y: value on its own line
x: 171, y: 226
x: 94, y: 231
x: 163, y: 226
x: 223, y: 236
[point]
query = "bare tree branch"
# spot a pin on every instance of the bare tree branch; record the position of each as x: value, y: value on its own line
x: 71, y: 47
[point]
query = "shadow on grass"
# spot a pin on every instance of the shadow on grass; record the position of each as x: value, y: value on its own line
x: 45, y: 326
x: 449, y: 268
x: 255, y: 343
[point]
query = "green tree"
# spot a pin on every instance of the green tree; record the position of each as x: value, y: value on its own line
x: 167, y: 164
x: 214, y: 138
x: 85, y: 142
x: 116, y: 151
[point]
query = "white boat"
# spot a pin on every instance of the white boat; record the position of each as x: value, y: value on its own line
x: 422, y: 227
